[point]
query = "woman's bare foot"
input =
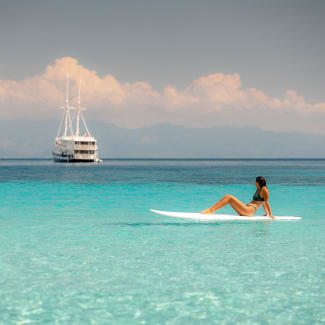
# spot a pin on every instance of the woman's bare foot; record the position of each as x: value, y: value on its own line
x: 207, y: 211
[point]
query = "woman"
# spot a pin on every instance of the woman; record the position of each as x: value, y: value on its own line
x: 261, y: 197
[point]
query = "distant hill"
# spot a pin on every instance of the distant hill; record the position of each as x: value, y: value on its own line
x: 27, y: 138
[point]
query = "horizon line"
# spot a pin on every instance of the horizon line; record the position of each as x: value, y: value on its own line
x: 175, y: 158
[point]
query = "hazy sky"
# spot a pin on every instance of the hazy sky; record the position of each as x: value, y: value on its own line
x: 269, y: 46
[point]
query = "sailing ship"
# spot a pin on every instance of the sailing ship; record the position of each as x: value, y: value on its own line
x: 69, y: 145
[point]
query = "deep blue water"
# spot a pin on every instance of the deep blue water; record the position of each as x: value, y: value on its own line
x: 78, y: 244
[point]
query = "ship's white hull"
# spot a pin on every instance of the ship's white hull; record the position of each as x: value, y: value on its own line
x: 75, y: 149
x: 58, y: 158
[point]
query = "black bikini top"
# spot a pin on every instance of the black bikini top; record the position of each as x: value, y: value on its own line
x: 257, y: 196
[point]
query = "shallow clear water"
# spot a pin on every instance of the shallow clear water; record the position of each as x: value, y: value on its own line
x: 79, y: 246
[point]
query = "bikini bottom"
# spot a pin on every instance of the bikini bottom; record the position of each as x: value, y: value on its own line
x: 252, y: 205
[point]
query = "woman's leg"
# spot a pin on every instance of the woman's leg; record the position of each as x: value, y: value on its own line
x: 241, y: 208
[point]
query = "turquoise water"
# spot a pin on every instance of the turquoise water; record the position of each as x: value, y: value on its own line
x: 79, y: 246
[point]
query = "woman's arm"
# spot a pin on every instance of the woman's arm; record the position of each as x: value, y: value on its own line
x: 267, y: 207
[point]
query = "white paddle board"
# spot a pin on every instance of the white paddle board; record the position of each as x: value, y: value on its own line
x: 222, y: 217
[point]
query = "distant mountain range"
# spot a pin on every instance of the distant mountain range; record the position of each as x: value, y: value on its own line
x: 23, y: 138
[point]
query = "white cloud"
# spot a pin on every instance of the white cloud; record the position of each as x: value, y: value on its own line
x: 209, y: 100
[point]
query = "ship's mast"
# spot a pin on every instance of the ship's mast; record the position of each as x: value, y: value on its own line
x: 79, y: 114
x: 66, y: 108
x: 78, y: 111
x: 66, y: 120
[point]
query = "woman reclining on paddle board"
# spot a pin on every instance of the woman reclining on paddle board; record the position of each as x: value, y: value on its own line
x: 261, y: 197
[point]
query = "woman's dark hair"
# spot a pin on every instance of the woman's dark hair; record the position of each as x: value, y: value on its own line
x: 261, y: 181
